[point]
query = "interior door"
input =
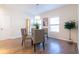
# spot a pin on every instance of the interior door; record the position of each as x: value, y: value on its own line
x: 4, y: 26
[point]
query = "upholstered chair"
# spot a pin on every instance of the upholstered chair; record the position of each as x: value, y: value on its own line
x: 25, y: 36
x: 38, y: 37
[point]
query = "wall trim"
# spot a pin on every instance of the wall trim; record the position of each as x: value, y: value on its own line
x: 62, y: 39
x: 10, y: 38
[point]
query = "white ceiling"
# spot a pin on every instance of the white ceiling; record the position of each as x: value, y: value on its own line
x: 33, y: 9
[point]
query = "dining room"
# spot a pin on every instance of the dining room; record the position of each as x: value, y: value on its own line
x: 38, y: 29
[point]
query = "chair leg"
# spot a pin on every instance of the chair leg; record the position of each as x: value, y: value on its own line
x: 34, y: 47
x: 31, y: 42
x: 43, y: 46
x: 47, y: 36
x: 22, y: 42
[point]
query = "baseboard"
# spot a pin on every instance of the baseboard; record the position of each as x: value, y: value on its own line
x: 62, y: 39
x: 11, y: 38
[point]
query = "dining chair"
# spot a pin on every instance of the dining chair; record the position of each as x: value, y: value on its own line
x: 25, y: 36
x: 38, y: 37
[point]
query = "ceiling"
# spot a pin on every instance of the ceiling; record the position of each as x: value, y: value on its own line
x: 33, y: 9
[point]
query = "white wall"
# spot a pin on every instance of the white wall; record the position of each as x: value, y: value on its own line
x: 17, y: 22
x: 68, y: 12
x: 78, y: 28
x: 4, y: 23
x: 11, y: 22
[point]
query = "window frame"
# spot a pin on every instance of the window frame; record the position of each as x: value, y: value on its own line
x: 54, y: 25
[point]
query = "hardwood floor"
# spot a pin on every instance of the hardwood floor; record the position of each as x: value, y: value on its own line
x: 52, y: 46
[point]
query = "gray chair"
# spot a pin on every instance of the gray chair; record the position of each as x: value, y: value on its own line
x: 38, y: 37
x: 25, y: 36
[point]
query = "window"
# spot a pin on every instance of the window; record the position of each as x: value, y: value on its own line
x: 38, y: 20
x: 54, y: 24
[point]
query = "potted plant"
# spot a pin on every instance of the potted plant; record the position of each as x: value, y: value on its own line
x: 70, y: 25
x: 36, y: 25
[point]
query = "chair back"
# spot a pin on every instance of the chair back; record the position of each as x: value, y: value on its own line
x: 23, y: 33
x: 38, y: 35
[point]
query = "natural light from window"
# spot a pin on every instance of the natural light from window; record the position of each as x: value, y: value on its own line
x: 38, y: 20
x: 54, y: 24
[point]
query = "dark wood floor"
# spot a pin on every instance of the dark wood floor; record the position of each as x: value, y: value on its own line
x: 52, y: 46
